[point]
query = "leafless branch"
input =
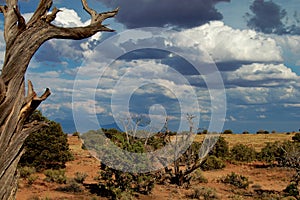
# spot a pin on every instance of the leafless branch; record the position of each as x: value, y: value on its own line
x: 51, y: 17
x: 41, y: 11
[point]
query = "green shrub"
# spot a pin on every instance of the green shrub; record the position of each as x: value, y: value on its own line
x: 76, y: 134
x: 291, y: 190
x: 270, y: 152
x: 243, y: 153
x: 56, y: 176
x: 237, y: 180
x: 220, y: 149
x: 205, y: 193
x: 80, y: 177
x: 46, y: 148
x: 212, y: 162
x: 72, y: 186
x: 116, y: 183
x: 296, y: 137
x: 228, y: 131
x: 198, y: 177
x: 32, y: 178
x: 262, y: 132
x: 191, y: 155
x: 280, y: 152
x: 288, y: 154
x: 25, y: 172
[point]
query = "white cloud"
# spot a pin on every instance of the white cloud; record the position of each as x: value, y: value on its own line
x: 220, y: 41
x: 295, y: 105
x: 224, y: 43
x: 290, y: 44
x: 262, y: 72
x: 249, y: 95
x: 231, y: 118
x: 262, y: 117
x: 68, y: 18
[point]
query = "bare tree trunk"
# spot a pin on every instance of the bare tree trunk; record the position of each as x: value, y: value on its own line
x: 22, y: 41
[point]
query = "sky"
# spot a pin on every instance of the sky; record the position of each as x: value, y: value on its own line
x: 232, y: 64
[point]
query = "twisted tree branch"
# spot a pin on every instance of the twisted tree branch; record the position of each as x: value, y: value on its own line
x: 3, y: 9
x: 22, y: 42
x: 21, y: 20
x: 79, y: 33
x: 51, y: 17
x: 41, y: 11
x: 2, y: 90
x: 32, y: 101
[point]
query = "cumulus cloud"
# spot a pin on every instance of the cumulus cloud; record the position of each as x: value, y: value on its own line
x: 258, y: 79
x: 224, y: 43
x: 58, y: 50
x: 144, y: 13
x: 290, y: 45
x: 68, y: 18
x: 262, y: 72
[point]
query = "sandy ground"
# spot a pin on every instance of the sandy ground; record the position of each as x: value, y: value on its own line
x: 267, y: 178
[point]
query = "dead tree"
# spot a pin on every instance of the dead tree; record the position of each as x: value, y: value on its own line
x: 22, y: 41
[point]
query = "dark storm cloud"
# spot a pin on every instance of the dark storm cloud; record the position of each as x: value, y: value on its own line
x: 183, y: 14
x: 231, y: 65
x: 145, y: 54
x: 268, y: 17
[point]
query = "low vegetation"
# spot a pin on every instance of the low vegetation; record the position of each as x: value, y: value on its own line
x: 205, y: 193
x: 186, y: 172
x: 56, y: 176
x: 47, y: 148
x: 243, y: 153
x: 236, y: 180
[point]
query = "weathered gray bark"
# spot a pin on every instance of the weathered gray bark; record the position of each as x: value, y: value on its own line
x: 22, y: 41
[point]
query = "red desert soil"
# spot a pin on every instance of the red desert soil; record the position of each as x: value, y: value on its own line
x: 268, y: 178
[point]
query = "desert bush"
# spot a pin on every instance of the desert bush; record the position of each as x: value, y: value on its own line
x: 296, y: 137
x: 116, y: 183
x: 236, y: 197
x: 198, y: 177
x: 212, y: 162
x: 270, y: 153
x: 205, y: 193
x: 228, y: 131
x: 25, y: 172
x: 77, y: 134
x: 80, y: 177
x: 31, y: 179
x: 279, y: 151
x: 57, y: 176
x: 190, y: 155
x: 46, y: 148
x: 288, y: 155
x: 243, y: 153
x: 220, y: 149
x: 237, y: 180
x: 262, y: 132
x: 72, y: 187
x: 292, y: 190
